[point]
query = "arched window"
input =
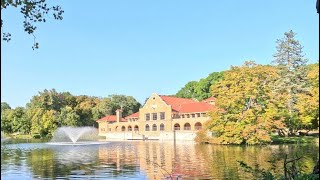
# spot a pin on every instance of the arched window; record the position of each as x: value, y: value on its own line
x: 154, y: 127
x: 161, y: 127
x: 136, y: 128
x: 129, y: 128
x: 187, y: 126
x: 116, y: 129
x: 123, y: 128
x: 147, y: 127
x: 177, y: 127
x: 197, y: 126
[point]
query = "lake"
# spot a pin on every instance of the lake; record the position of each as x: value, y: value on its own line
x: 26, y: 159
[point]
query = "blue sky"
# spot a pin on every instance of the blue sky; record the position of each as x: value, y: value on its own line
x: 139, y: 47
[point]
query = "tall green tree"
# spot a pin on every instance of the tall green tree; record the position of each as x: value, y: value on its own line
x: 202, y: 88
x: 20, y: 122
x: 293, y: 77
x: 68, y: 117
x: 6, y: 124
x: 101, y: 109
x: 85, y: 105
x: 48, y: 100
x: 188, y: 91
x: 128, y: 104
x: 4, y: 106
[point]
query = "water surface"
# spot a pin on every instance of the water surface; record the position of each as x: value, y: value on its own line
x: 143, y: 160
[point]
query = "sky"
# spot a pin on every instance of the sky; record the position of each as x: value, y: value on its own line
x: 139, y: 47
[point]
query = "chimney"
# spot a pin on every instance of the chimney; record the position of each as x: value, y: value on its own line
x: 119, y: 114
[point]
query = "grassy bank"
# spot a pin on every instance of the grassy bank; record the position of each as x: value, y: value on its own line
x: 294, y: 140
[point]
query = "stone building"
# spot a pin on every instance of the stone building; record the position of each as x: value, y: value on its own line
x: 161, y: 117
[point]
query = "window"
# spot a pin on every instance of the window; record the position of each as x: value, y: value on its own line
x: 197, y: 126
x: 129, y: 128
x: 136, y: 128
x: 154, y: 127
x: 177, y: 126
x: 161, y: 127
x: 154, y: 116
x: 147, y: 116
x: 147, y: 128
x: 188, y: 115
x: 123, y: 128
x: 102, y: 129
x: 187, y: 126
x: 176, y: 116
x: 193, y: 115
x: 182, y: 116
x: 203, y: 114
x: 162, y: 115
x: 198, y: 114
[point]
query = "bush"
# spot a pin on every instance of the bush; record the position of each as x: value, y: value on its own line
x: 36, y: 136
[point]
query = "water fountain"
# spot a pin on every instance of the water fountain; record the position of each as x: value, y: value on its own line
x: 75, y: 136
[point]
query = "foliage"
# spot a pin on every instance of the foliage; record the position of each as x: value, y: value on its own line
x: 4, y: 106
x: 201, y: 136
x: 259, y: 173
x: 245, y: 108
x: 34, y: 11
x: 308, y: 106
x: 290, y: 167
x: 128, y: 104
x: 50, y: 109
x: 292, y: 84
x: 293, y: 140
x: 188, y: 91
x: 200, y: 90
x: 254, y: 101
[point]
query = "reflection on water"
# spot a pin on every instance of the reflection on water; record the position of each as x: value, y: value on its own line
x: 143, y: 160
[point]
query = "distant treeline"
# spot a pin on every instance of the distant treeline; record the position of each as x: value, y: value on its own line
x: 50, y: 109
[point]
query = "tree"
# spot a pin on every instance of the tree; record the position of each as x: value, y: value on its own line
x: 34, y: 11
x: 20, y: 122
x: 188, y: 91
x: 128, y: 104
x: 308, y: 106
x: 4, y: 106
x: 244, y: 103
x: 85, y: 105
x: 6, y: 123
x: 48, y: 100
x: 101, y: 109
x: 68, y: 117
x: 202, y: 88
x: 293, y: 77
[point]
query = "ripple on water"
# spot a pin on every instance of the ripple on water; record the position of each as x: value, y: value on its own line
x: 81, y: 143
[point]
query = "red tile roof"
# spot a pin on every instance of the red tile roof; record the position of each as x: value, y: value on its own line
x: 184, y: 105
x: 111, y: 118
x: 134, y: 115
x: 176, y: 102
x: 195, y: 107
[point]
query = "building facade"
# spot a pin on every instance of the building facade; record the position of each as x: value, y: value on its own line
x: 161, y: 117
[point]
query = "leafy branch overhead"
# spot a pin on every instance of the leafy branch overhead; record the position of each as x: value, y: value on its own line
x: 34, y: 11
